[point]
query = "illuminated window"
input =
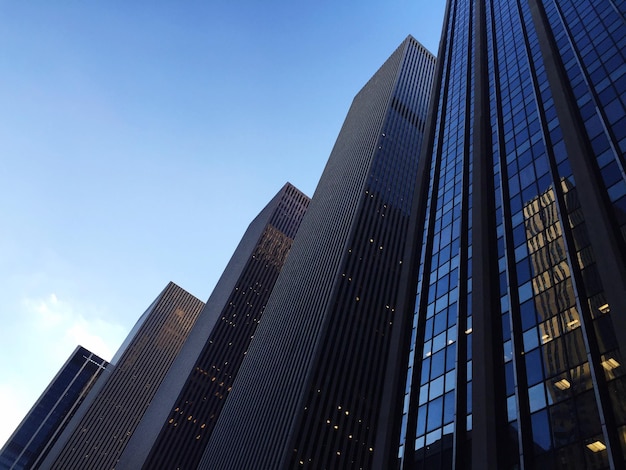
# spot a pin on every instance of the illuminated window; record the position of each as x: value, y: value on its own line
x: 597, y: 446
x: 562, y: 384
x: 610, y: 364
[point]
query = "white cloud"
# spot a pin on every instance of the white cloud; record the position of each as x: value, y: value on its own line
x: 59, y: 323
x: 45, y: 313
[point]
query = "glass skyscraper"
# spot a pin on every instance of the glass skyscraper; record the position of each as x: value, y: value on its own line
x: 516, y: 355
x: 310, y: 392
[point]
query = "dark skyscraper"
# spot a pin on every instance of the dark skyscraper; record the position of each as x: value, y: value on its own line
x: 176, y: 428
x: 310, y: 391
x: 100, y: 430
x: 43, y: 424
x: 517, y: 353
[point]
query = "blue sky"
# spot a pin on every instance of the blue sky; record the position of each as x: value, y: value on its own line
x: 139, y: 139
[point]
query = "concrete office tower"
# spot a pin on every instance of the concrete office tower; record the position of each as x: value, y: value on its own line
x: 310, y: 390
x: 179, y: 422
x: 517, y: 353
x: 43, y: 424
x: 102, y: 427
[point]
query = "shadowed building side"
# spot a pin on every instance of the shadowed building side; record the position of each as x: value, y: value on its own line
x: 188, y: 414
x: 309, y: 390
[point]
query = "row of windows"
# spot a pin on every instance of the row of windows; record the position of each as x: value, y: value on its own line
x: 543, y: 311
x: 435, y: 402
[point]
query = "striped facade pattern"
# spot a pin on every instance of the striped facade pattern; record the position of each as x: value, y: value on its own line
x: 183, y: 438
x: 106, y: 427
x: 339, y: 417
x: 260, y: 420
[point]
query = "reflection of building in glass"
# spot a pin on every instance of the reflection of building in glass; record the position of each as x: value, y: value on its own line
x: 175, y: 430
x: 562, y: 348
x: 553, y: 291
x: 101, y: 428
x: 311, y: 389
x: 43, y: 424
x: 519, y: 262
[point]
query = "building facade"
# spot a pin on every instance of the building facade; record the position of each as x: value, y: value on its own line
x: 310, y: 391
x: 49, y: 416
x: 516, y: 354
x: 102, y: 427
x: 178, y: 425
